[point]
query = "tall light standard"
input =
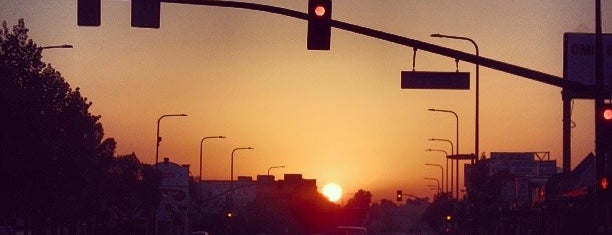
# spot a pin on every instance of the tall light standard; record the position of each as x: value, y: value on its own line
x: 451, y: 169
x: 441, y: 172
x: 232, y: 177
x: 456, y: 144
x: 56, y: 46
x: 451, y: 175
x: 202, y: 142
x: 438, y: 181
x: 232, y: 167
x: 159, y: 138
x: 477, y: 86
x: 273, y: 167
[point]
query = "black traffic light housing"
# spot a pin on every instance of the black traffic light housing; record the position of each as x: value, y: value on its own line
x: 319, y: 24
x: 145, y: 13
x: 88, y: 12
x: 605, y: 143
x: 399, y: 195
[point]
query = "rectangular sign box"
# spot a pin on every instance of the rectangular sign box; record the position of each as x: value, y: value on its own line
x: 579, y: 62
x: 461, y: 156
x: 435, y: 80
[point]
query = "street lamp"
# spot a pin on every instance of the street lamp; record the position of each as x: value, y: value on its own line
x: 477, y: 86
x: 435, y: 187
x: 57, y: 46
x: 441, y: 171
x: 438, y: 181
x: 232, y: 167
x: 202, y: 142
x: 446, y: 156
x: 272, y: 167
x: 232, y: 177
x: 445, y: 140
x: 456, y: 144
x: 159, y: 138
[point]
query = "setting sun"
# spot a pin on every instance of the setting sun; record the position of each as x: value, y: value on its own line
x: 332, y: 191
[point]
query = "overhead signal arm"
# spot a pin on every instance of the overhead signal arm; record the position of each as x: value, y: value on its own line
x: 490, y: 63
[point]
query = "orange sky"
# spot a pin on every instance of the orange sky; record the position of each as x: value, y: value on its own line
x: 335, y: 116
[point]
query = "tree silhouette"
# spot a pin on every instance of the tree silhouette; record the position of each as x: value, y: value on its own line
x: 131, y: 193
x: 357, y: 208
x: 54, y: 160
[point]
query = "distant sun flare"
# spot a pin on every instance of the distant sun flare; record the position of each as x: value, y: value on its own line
x: 332, y: 191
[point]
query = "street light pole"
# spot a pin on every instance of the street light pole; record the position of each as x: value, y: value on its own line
x: 451, y: 168
x: 232, y: 167
x: 159, y: 138
x: 438, y: 181
x: 476, y: 127
x: 232, y: 177
x: 441, y: 172
x: 456, y: 149
x: 272, y: 167
x: 202, y: 142
x: 57, y: 46
x: 451, y: 175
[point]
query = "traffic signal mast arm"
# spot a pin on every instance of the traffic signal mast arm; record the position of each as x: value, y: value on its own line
x: 490, y: 63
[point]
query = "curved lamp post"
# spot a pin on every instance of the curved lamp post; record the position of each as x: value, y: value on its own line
x: 441, y: 172
x: 477, y: 85
x: 159, y: 138
x: 437, y: 181
x: 451, y: 167
x: 273, y: 167
x: 202, y: 142
x: 56, y: 46
x: 232, y: 177
x: 232, y: 167
x: 456, y: 144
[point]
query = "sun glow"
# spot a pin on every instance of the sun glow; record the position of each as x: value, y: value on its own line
x: 332, y: 191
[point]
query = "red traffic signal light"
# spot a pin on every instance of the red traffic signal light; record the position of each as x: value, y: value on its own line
x: 604, y: 183
x: 319, y: 24
x: 607, y: 113
x: 319, y: 10
x: 88, y: 12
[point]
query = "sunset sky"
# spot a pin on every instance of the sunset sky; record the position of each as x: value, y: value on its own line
x: 335, y: 116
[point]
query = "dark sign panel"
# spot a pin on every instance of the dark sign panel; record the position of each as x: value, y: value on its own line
x: 461, y: 156
x: 435, y: 80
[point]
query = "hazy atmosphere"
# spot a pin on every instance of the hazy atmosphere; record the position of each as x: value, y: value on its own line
x: 334, y: 116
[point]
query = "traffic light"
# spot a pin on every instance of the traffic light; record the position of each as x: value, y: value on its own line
x: 399, y: 195
x: 448, y: 225
x: 605, y: 120
x: 88, y: 12
x: 319, y: 24
x: 604, y: 165
x: 606, y: 113
x: 145, y: 13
